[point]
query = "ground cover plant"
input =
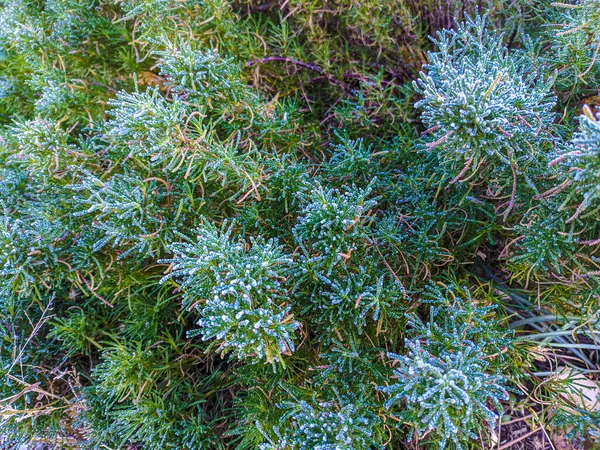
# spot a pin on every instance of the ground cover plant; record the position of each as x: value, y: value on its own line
x: 320, y: 225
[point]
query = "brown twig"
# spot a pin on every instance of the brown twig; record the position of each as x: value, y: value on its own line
x: 513, y: 194
x: 463, y: 171
x: 330, y: 78
x: 517, y: 440
x: 553, y: 191
x: 444, y: 138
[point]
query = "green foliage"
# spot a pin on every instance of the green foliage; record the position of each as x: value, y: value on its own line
x: 584, y: 162
x: 579, y: 423
x: 333, y: 223
x: 446, y: 381
x: 26, y: 255
x: 325, y: 426
x: 576, y: 44
x: 485, y: 111
x: 126, y: 209
x: 219, y: 217
x: 153, y: 138
x: 445, y: 394
x: 200, y: 76
x: 242, y: 291
x: 42, y: 146
x: 545, y: 243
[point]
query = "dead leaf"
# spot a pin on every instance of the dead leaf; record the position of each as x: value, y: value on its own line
x: 560, y: 442
x: 579, y: 389
x: 149, y: 79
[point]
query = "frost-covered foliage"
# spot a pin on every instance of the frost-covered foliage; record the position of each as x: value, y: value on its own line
x: 26, y: 254
x: 545, y: 242
x: 583, y: 165
x: 325, y: 426
x: 457, y: 321
x: 337, y: 277
x: 145, y: 125
x: 358, y: 298
x: 447, y: 386
x: 445, y: 394
x: 551, y: 233
x: 203, y: 76
x: 126, y: 209
x: 485, y: 112
x: 332, y: 223
x: 576, y: 44
x: 226, y: 225
x: 579, y: 423
x: 240, y: 292
x: 41, y: 146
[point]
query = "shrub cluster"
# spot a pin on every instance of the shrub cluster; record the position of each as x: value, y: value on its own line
x: 328, y: 225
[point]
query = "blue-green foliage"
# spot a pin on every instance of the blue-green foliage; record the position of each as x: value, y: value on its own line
x: 550, y: 233
x: 26, y: 254
x: 456, y: 321
x: 336, y: 276
x: 358, y: 298
x: 485, y: 111
x: 545, y: 242
x: 220, y: 228
x: 446, y: 381
x: 575, y: 43
x: 446, y: 394
x: 332, y: 225
x: 53, y: 90
x: 326, y: 426
x: 125, y: 392
x: 42, y: 147
x: 127, y: 210
x: 578, y: 423
x: 352, y: 160
x: 203, y: 76
x: 239, y: 291
x: 584, y: 157
x: 19, y: 27
x: 145, y: 125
